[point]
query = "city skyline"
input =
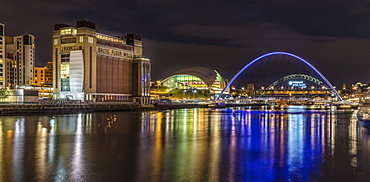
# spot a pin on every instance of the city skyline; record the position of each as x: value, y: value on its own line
x: 225, y: 36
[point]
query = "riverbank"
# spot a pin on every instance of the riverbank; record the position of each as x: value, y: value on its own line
x: 52, y: 108
x: 71, y: 107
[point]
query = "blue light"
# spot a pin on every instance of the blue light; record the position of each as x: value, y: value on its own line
x: 284, y: 53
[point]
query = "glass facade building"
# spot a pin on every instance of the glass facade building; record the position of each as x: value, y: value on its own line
x: 200, y: 78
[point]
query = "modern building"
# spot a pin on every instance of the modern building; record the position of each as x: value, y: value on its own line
x: 357, y: 92
x: 2, y: 56
x: 93, y: 66
x: 43, y: 76
x: 17, y: 59
x: 196, y: 78
x: 49, y: 74
x: 20, y: 60
x: 39, y: 76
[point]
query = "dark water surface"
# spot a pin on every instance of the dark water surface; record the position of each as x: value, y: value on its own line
x: 186, y: 145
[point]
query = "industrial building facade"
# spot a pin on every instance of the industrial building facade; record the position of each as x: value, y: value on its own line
x: 97, y: 67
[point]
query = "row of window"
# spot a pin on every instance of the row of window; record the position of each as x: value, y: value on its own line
x: 90, y: 40
x: 41, y: 71
x: 68, y: 31
x: 110, y: 39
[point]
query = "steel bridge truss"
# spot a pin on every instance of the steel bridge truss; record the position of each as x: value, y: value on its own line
x: 291, y: 77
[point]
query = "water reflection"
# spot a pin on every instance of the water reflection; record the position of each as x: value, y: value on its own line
x: 186, y: 145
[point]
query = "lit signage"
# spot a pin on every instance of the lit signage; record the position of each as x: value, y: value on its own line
x: 299, y: 84
x: 113, y: 52
x: 68, y: 48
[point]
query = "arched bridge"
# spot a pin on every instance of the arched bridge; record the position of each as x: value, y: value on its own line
x: 293, y: 77
x: 287, y: 54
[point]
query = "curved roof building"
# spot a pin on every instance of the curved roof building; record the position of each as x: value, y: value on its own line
x: 195, y: 78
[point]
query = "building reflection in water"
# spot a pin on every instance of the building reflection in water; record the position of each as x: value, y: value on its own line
x: 41, y: 151
x: 184, y: 145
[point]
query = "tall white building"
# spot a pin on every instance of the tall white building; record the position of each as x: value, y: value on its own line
x: 20, y: 56
x: 17, y: 59
x: 2, y: 56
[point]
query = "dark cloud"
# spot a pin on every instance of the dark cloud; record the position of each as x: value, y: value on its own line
x: 224, y: 35
x: 360, y: 8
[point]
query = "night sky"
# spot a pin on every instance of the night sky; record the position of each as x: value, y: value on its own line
x: 224, y: 35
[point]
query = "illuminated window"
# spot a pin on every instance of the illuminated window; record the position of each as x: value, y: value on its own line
x: 90, y: 40
x: 55, y: 41
x: 66, y: 31
x: 81, y: 39
x: 64, y: 70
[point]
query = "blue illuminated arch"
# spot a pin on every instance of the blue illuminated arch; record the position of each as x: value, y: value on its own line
x: 283, y: 53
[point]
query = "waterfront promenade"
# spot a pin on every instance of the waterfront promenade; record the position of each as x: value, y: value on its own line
x: 70, y: 106
x: 65, y: 107
x: 53, y: 107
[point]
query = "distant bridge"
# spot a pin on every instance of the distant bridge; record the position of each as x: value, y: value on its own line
x: 309, y: 78
x: 282, y: 53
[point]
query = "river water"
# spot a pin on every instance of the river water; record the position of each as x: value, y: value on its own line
x: 205, y: 144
